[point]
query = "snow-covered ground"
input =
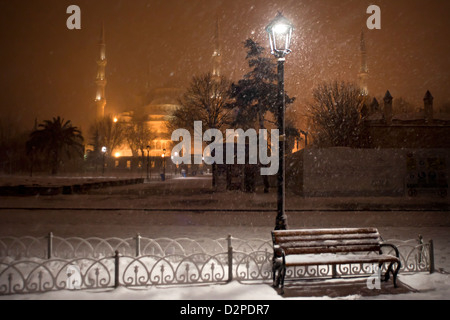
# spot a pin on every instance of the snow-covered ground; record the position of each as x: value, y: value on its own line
x: 420, y: 286
x: 139, y: 213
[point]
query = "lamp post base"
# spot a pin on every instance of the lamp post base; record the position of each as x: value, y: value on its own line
x: 281, y: 223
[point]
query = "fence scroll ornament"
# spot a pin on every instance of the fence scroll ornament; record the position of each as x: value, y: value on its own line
x: 29, y: 265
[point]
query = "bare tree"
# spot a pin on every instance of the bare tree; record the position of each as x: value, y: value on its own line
x: 107, y: 133
x: 205, y: 100
x: 138, y: 136
x: 336, y: 115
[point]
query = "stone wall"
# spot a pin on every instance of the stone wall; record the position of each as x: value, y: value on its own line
x: 409, y: 136
x: 372, y: 172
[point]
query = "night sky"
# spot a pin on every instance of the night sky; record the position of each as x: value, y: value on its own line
x: 48, y: 70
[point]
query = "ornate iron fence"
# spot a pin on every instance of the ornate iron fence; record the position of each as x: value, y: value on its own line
x: 29, y: 265
x: 30, y: 276
x: 415, y: 254
x: 52, y: 246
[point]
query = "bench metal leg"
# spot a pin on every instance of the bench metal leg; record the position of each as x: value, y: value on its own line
x: 283, y: 275
x: 274, y: 273
x: 277, y: 271
x: 280, y: 280
x: 388, y: 271
x: 394, y: 273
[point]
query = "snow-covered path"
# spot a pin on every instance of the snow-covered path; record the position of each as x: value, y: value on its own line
x: 156, y: 210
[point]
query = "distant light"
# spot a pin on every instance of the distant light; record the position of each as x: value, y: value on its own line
x: 115, y: 119
x: 104, y: 149
x: 117, y: 154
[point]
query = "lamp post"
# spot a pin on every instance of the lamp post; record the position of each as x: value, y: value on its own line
x: 280, y: 33
x: 148, y: 163
x: 164, y: 164
x: 305, y: 133
x: 103, y: 162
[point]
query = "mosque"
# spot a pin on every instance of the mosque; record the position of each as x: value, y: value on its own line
x: 154, y: 107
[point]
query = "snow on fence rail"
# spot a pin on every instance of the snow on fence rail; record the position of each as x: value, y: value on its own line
x: 29, y: 265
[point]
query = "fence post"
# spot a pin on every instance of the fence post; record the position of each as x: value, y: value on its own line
x: 116, y: 269
x: 138, y: 245
x: 333, y: 271
x: 431, y: 245
x: 422, y: 248
x: 230, y: 259
x: 50, y: 245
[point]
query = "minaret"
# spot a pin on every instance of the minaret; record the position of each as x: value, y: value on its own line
x: 217, y: 54
x: 363, y: 70
x: 100, y: 98
x: 147, y: 79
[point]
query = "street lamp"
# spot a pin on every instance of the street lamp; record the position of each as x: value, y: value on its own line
x: 164, y: 164
x: 103, y: 156
x: 148, y: 162
x: 305, y: 133
x: 280, y: 34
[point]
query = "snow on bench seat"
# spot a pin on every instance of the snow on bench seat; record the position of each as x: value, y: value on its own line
x: 325, y: 259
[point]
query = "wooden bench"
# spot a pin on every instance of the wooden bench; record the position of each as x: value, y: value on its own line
x: 318, y: 247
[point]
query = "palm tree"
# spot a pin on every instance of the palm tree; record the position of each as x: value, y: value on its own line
x: 57, y: 139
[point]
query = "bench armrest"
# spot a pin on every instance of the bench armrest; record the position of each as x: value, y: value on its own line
x: 279, y: 253
x: 397, y: 253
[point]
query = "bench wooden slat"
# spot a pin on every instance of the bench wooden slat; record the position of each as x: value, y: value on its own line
x: 324, y: 231
x: 328, y: 237
x: 329, y: 243
x: 316, y: 250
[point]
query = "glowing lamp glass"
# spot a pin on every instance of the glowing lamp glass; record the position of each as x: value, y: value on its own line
x: 280, y: 34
